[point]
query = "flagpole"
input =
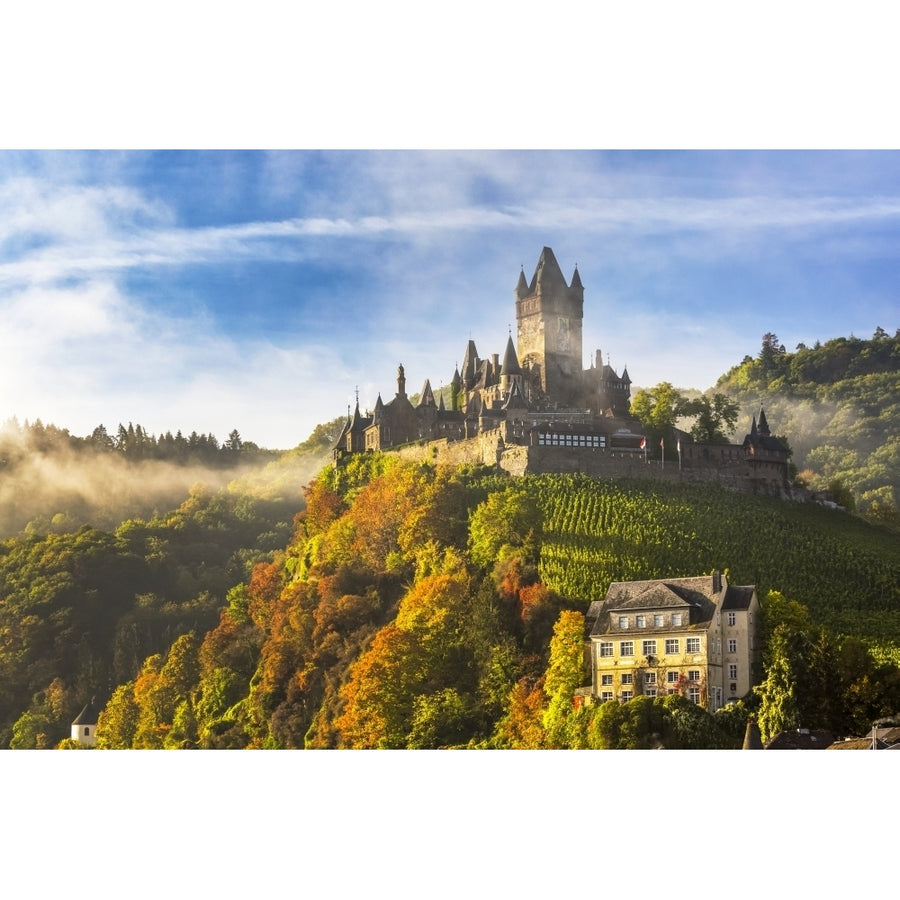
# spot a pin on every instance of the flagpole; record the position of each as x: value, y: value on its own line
x: 662, y: 446
x: 678, y: 446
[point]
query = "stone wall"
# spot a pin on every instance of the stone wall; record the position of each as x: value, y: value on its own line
x: 723, y: 465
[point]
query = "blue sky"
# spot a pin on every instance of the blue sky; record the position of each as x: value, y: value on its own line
x: 258, y: 290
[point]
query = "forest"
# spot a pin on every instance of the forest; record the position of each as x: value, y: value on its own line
x: 385, y: 604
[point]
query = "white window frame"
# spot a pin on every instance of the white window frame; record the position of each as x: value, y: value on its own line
x: 693, y: 695
x: 649, y: 647
x: 606, y: 695
x: 626, y: 648
x: 732, y: 671
x: 693, y: 674
x: 641, y: 621
x: 672, y: 677
x: 659, y: 621
x: 649, y: 677
x: 627, y: 678
x: 692, y: 645
x: 623, y: 622
x: 732, y: 619
x: 626, y: 696
x: 606, y: 679
x: 732, y: 645
x: 606, y: 649
x: 676, y: 619
x: 673, y: 646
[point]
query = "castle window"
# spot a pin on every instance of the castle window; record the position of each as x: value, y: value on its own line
x: 672, y: 677
x: 641, y: 621
x: 606, y: 648
x: 732, y: 671
x: 672, y: 645
x: 627, y: 678
x: 694, y: 695
x: 650, y: 692
x: 649, y: 677
x: 692, y: 645
x: 676, y: 618
x: 658, y: 621
x: 626, y: 648
x: 605, y: 695
x: 693, y: 675
x: 649, y: 648
x: 87, y: 731
x: 732, y: 645
x: 623, y: 621
x: 732, y: 618
x: 606, y: 680
x: 627, y: 695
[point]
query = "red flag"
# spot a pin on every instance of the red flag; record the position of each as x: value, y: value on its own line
x: 643, y: 443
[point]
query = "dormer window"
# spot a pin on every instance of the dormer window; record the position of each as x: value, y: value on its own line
x: 676, y: 618
x: 658, y: 621
x: 623, y: 621
x: 641, y: 621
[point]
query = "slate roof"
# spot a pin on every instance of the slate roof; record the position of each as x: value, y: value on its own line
x: 803, y: 739
x: 695, y: 595
x: 90, y: 713
x: 738, y: 597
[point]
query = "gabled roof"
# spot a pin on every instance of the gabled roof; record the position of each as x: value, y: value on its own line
x: 427, y: 398
x: 90, y: 713
x: 738, y: 597
x: 697, y: 596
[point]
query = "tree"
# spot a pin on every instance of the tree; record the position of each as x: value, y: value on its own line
x: 658, y: 408
x: 564, y: 674
x: 715, y: 416
x: 118, y: 723
x: 508, y: 523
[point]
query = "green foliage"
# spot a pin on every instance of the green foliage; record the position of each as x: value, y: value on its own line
x: 839, y: 402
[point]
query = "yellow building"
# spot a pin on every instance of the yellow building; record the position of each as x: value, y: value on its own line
x: 691, y: 636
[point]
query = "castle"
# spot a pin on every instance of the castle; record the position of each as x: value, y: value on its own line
x: 539, y: 410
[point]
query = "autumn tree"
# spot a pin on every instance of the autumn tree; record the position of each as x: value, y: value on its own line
x: 565, y: 673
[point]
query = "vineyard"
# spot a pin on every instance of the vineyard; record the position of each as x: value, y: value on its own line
x: 844, y: 569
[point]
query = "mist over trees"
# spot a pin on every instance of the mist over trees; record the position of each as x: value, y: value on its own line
x: 838, y: 403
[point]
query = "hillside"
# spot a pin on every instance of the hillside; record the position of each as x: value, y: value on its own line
x: 838, y: 405
x: 421, y: 607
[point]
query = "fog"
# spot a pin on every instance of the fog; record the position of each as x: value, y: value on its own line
x: 61, y: 488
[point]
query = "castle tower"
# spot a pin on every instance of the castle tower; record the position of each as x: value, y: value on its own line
x: 549, y: 316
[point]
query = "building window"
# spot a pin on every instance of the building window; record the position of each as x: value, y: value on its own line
x: 672, y: 677
x: 732, y: 670
x: 649, y: 677
x: 694, y: 695
x: 606, y: 680
x: 87, y: 731
x: 693, y: 674
x: 649, y: 648
x: 659, y: 621
x: 627, y: 678
x: 623, y: 621
x: 641, y: 621
x: 626, y: 648
x: 650, y: 692
x: 627, y: 695
x: 606, y: 648
x: 692, y: 645
x: 672, y: 645
x: 732, y: 645
x: 606, y: 695
x: 732, y: 618
x: 717, y: 646
x: 676, y: 618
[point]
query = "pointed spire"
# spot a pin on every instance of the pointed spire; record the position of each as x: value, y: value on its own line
x: 522, y: 285
x: 441, y: 402
x: 625, y: 376
x: 427, y: 398
x: 753, y: 431
x: 752, y: 737
x: 516, y: 399
x: 510, y: 360
x: 547, y: 275
x: 763, y: 424
x: 576, y: 279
